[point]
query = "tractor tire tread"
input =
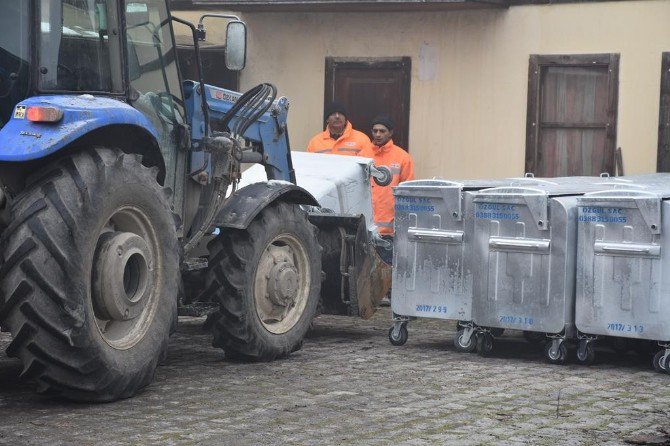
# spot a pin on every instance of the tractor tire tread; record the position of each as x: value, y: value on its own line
x: 228, y: 278
x: 40, y: 305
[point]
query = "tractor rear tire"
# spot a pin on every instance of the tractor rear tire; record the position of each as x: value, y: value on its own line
x: 266, y: 279
x: 89, y: 279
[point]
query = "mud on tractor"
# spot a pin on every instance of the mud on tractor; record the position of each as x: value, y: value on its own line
x: 113, y: 170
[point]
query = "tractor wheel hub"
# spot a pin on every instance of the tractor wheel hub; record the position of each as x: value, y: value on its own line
x: 283, y: 284
x: 122, y: 275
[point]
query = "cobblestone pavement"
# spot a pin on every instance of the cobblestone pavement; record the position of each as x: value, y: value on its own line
x: 348, y: 385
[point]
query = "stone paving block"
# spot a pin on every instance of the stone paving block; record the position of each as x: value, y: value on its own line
x: 348, y: 385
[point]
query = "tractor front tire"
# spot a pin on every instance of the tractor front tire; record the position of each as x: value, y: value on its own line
x: 89, y: 276
x: 266, y: 279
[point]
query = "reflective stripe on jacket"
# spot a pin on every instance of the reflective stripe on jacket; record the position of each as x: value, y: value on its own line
x: 350, y: 143
x: 402, y: 168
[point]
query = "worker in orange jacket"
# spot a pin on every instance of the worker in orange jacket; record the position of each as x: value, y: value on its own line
x: 339, y: 137
x: 385, y: 153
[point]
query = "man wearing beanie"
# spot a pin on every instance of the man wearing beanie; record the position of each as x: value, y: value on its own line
x: 339, y: 137
x: 385, y: 153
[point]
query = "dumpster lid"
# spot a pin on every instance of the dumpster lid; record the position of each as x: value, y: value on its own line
x: 648, y: 203
x: 536, y: 200
x: 658, y: 183
x: 447, y: 191
x: 577, y: 185
x: 462, y: 184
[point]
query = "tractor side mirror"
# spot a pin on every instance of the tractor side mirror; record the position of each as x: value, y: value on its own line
x: 236, y: 45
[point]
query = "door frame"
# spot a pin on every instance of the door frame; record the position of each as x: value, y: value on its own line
x: 402, y: 64
x: 536, y: 63
x: 663, y: 152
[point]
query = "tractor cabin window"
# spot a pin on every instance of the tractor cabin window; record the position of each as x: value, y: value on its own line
x: 79, y: 48
x: 572, y: 112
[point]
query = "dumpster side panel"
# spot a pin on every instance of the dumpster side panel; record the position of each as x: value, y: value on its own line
x: 428, y: 274
x: 621, y: 289
x: 526, y: 281
x: 564, y: 263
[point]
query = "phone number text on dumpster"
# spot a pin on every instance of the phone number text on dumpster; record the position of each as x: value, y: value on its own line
x: 588, y: 214
x: 496, y: 211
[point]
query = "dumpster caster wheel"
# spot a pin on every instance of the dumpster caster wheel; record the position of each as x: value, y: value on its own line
x: 534, y: 337
x: 398, y: 336
x: 666, y: 364
x: 485, y: 344
x: 585, y: 353
x: 661, y: 361
x: 465, y: 343
x: 555, y: 351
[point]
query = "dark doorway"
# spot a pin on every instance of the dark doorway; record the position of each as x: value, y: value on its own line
x: 572, y: 114
x: 663, y: 164
x: 372, y: 86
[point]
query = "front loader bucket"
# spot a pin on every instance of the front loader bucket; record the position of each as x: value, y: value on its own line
x: 356, y: 278
x: 371, y: 277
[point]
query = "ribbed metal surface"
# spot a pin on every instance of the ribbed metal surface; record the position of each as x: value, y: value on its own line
x: 623, y: 285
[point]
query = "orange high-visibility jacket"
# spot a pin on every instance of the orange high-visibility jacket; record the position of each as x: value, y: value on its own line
x: 402, y: 168
x: 350, y: 143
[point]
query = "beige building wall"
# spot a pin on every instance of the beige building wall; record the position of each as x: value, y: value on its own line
x: 469, y: 73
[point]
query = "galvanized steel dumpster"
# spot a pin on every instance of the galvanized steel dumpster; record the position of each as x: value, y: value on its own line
x: 623, y: 266
x: 524, y: 257
x: 432, y: 236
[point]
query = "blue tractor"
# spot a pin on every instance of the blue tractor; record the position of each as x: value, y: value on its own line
x: 112, y: 172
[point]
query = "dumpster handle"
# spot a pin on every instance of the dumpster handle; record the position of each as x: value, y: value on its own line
x: 627, y: 249
x: 534, y: 246
x: 428, y: 235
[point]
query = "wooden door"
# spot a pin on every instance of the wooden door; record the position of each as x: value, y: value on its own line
x: 572, y: 114
x: 369, y: 87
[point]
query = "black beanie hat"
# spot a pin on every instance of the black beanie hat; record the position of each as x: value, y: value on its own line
x: 336, y: 107
x: 384, y: 120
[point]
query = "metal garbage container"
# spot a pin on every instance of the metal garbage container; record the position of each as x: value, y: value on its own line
x: 523, y: 260
x: 623, y: 259
x: 431, y: 242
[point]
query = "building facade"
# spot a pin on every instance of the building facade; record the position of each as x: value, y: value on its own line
x: 480, y: 89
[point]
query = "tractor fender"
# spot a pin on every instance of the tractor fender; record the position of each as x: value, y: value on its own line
x: 243, y: 206
x: 23, y: 140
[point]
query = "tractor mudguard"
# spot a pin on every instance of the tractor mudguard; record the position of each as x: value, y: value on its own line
x: 369, y: 277
x: 243, y: 206
x: 23, y: 140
